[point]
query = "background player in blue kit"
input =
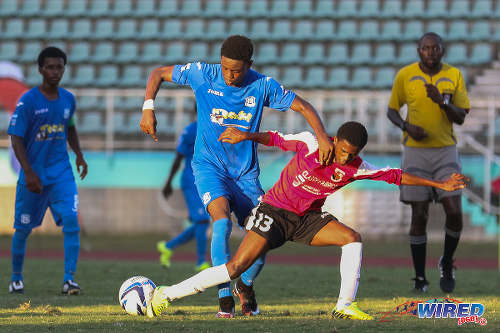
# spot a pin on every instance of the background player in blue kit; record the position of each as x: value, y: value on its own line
x: 197, y: 213
x: 39, y: 128
x: 230, y: 94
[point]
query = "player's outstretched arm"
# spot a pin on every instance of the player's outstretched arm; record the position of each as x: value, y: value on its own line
x: 33, y: 183
x: 326, y: 149
x: 233, y: 135
x: 148, y: 120
x: 167, y: 189
x: 455, y: 182
x: 74, y: 143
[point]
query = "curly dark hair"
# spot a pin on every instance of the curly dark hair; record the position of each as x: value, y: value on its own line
x: 51, y: 52
x: 237, y: 47
x: 353, y: 132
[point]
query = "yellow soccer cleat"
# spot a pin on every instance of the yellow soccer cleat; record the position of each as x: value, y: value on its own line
x: 351, y: 312
x: 165, y: 252
x: 204, y: 265
x: 158, y: 304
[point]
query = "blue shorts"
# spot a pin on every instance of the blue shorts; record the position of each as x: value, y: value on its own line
x: 62, y: 198
x: 195, y: 208
x: 242, y: 194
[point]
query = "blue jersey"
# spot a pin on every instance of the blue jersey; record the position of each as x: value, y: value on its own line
x: 185, y: 147
x: 220, y: 106
x: 43, y: 125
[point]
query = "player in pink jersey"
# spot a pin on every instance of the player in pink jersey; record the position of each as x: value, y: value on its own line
x: 291, y: 211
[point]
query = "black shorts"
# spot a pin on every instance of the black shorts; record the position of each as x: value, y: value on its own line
x: 279, y: 225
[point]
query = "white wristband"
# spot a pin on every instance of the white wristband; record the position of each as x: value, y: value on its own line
x: 148, y: 105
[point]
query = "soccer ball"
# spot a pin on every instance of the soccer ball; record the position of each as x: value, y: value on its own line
x: 135, y: 294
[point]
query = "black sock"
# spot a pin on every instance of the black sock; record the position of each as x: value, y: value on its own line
x: 418, y: 252
x: 450, y: 244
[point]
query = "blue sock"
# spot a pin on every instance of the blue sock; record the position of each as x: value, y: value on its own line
x: 251, y: 273
x: 221, y: 252
x: 18, y: 251
x: 182, y: 238
x: 71, y: 252
x: 201, y: 241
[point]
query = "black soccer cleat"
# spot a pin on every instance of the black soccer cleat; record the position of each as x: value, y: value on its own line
x: 447, y: 271
x: 421, y: 284
x: 246, y: 294
x: 70, y: 287
x: 226, y: 307
x: 16, y: 287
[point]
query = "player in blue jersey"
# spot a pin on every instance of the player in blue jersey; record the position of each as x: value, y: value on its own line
x: 39, y: 129
x: 230, y: 94
x: 197, y: 213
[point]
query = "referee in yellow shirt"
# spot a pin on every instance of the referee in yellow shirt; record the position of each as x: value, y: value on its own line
x: 436, y: 97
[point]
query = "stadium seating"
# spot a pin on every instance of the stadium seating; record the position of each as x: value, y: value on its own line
x: 8, y: 8
x: 9, y: 50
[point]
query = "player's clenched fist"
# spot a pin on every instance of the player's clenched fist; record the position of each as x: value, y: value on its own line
x: 148, y: 123
x: 232, y: 135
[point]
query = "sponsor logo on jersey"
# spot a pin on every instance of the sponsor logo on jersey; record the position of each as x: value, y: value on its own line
x: 215, y: 92
x: 25, y: 218
x: 250, y: 101
x: 13, y: 120
x: 75, y: 203
x: 206, y: 197
x: 50, y: 132
x: 219, y: 115
x: 40, y: 111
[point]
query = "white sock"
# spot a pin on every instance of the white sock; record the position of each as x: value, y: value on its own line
x: 198, y: 283
x: 350, y: 264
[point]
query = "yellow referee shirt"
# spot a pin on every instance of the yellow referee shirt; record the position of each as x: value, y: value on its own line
x: 409, y: 89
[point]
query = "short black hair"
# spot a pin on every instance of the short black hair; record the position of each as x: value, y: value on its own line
x: 430, y: 34
x: 51, y: 52
x: 354, y: 133
x: 237, y: 47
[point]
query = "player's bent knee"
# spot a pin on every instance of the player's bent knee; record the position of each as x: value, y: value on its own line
x: 235, y: 268
x: 353, y: 237
x: 70, y: 223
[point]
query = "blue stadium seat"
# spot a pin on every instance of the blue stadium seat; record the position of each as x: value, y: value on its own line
x: 132, y: 124
x: 8, y: 8
x: 407, y: 54
x: 496, y: 35
x: 53, y: 8
x: 127, y: 53
x: 237, y: 8
x: 362, y: 78
x: 458, y: 31
x: 150, y: 29
x: 391, y: 31
x: 103, y: 52
x: 84, y: 76
x: 279, y: 8
x: 216, y: 30
x: 338, y: 54
x: 314, y: 53
x: 324, y: 9
x: 480, y: 30
x: 414, y: 9
x: 413, y: 30
x: 13, y: 29
x: 107, y: 77
x: 214, y: 8
x: 167, y: 9
x: 238, y: 27
x: 392, y: 9
x: 99, y: 8
x: 91, y: 122
x: 76, y: 8
x: 282, y: 30
x: 304, y: 30
x: 197, y: 52
x: 338, y: 78
x: 369, y: 9
x: 68, y: 74
x: 481, y: 54
x: 256, y: 8
x: 436, y: 9
x: 122, y: 8
x: 385, y: 54
x: 384, y: 78
x: 459, y: 9
x: 30, y: 51
x: 190, y: 8
x: 260, y: 29
x: 145, y: 8
x: 132, y: 76
x: 267, y: 53
x: 89, y: 102
x: 214, y: 55
x: 292, y: 76
x: 271, y: 71
x: 291, y: 53
x: 325, y: 30
x: 80, y: 51
x: 315, y: 78
x: 176, y: 52
x: 346, y: 30
x: 166, y: 123
x: 129, y: 103
x: 103, y: 29
x: 30, y: 8
x: 346, y: 9
x: 369, y: 30
x: 334, y: 120
x: 361, y: 54
x: 59, y: 29
x: 481, y: 9
x: 33, y: 78
x: 81, y: 29
x: 438, y: 27
x: 37, y: 29
x: 9, y: 50
x: 119, y: 122
x: 456, y: 54
x: 172, y: 29
x: 127, y: 29
x: 302, y: 9
x: 195, y: 29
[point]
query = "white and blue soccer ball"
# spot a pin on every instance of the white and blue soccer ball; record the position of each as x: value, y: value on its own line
x: 135, y: 295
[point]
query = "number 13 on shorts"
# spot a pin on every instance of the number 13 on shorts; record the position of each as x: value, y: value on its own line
x: 259, y: 220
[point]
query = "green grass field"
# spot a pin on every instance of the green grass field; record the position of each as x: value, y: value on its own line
x: 292, y: 298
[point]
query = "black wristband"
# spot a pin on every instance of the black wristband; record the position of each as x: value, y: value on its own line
x: 403, y: 126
